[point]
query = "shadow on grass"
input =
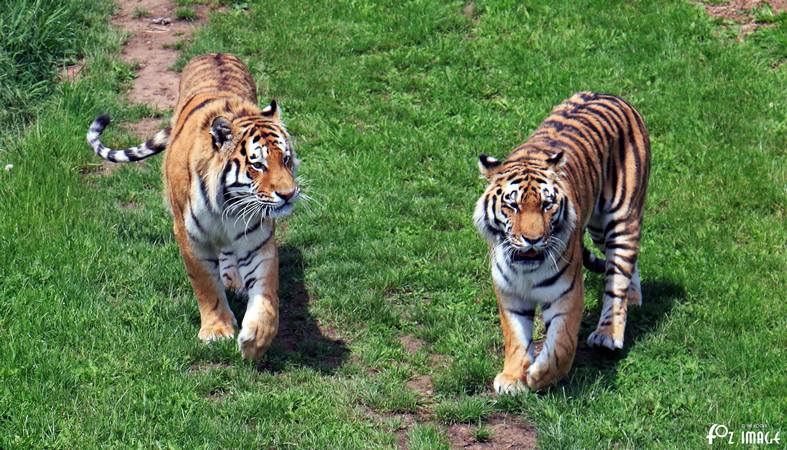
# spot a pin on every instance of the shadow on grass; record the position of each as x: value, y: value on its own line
x: 300, y: 341
x: 599, y: 365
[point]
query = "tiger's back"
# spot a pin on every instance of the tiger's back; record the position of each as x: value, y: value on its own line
x: 607, y: 152
x: 217, y: 74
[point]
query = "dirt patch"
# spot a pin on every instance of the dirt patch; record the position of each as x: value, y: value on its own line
x: 154, y: 34
x: 145, y: 128
x: 207, y: 366
x: 469, y: 11
x: 404, y: 422
x: 70, y: 73
x: 743, y: 13
x: 408, y: 420
x: 411, y: 343
x: 422, y: 384
x: 501, y: 431
x: 218, y: 394
x: 102, y: 169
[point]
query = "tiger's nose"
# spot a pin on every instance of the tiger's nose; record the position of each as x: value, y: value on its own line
x: 533, y: 242
x: 286, y: 196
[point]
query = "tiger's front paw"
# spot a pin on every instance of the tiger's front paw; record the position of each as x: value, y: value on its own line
x: 508, y: 385
x: 538, y: 377
x: 216, y: 332
x: 254, y: 339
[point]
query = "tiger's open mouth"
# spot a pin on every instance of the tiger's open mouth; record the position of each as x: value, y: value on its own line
x: 531, y: 256
x: 282, y: 210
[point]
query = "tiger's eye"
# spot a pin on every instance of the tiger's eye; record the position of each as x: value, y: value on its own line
x: 257, y: 165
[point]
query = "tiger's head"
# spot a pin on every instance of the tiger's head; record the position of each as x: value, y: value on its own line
x: 260, y: 165
x: 525, y: 212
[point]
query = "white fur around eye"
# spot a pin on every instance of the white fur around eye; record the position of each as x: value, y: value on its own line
x: 257, y: 153
x: 510, y: 193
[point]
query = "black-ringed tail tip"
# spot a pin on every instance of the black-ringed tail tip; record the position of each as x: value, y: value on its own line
x: 153, y: 146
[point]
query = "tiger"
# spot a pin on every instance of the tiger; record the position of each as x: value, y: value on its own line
x: 586, y: 166
x: 229, y: 172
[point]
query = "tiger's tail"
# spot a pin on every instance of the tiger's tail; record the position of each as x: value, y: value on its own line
x: 592, y: 262
x: 153, y: 146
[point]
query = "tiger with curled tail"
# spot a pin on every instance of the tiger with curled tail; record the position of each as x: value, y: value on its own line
x: 585, y: 166
x: 229, y: 172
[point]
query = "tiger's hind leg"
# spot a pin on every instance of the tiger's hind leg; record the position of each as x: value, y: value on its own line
x: 621, y: 283
x: 634, y: 294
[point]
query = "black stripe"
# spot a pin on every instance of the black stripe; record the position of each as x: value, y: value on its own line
x: 226, y: 170
x: 199, y: 106
x: 494, y: 210
x: 594, y: 229
x: 251, y: 229
x: 613, y: 267
x: 551, y: 280
x: 619, y: 245
x: 193, y: 238
x: 196, y: 222
x: 502, y: 274
x: 615, y: 234
x: 612, y: 224
x: 530, y: 313
x: 615, y: 112
x: 574, y: 280
x: 548, y: 323
x: 247, y: 259
x: 203, y: 190
x: 251, y: 271
x: 250, y: 283
x: 592, y: 262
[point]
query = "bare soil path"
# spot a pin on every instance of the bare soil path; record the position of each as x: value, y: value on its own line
x: 742, y: 12
x: 151, y: 47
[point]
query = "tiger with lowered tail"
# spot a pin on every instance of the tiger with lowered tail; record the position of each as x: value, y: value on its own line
x: 585, y: 167
x: 229, y: 172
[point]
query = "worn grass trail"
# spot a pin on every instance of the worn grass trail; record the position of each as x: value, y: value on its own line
x: 390, y: 104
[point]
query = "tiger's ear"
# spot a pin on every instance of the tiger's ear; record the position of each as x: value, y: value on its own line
x: 488, y: 166
x: 220, y: 132
x: 555, y: 160
x: 272, y: 110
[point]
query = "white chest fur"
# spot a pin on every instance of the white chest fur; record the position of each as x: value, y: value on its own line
x: 526, y: 284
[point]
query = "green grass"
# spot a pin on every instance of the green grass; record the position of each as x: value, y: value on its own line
x: 390, y: 104
x: 140, y: 12
x: 186, y: 14
x: 39, y: 38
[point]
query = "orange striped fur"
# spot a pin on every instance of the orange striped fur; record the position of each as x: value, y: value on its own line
x: 585, y: 167
x: 229, y: 172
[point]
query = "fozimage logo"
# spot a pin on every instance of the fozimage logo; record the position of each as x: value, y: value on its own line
x: 751, y: 434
